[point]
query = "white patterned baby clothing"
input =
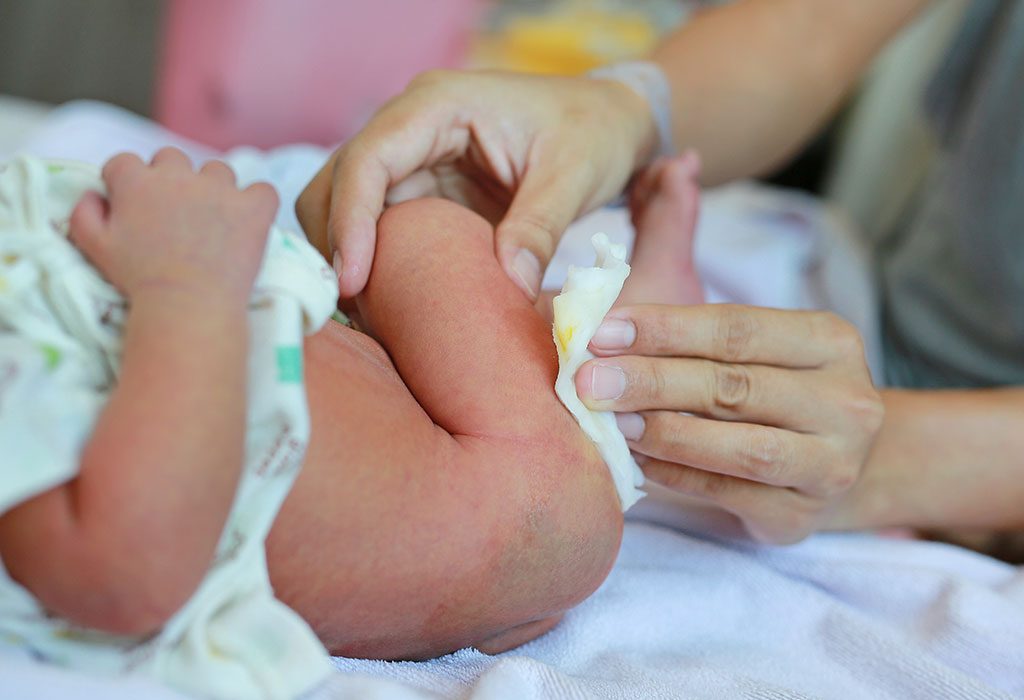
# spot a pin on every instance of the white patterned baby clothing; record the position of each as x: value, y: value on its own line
x: 60, y: 343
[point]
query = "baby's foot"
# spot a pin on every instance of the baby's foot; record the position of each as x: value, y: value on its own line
x: 664, y: 203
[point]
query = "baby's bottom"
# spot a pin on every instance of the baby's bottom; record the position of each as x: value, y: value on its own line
x: 448, y: 498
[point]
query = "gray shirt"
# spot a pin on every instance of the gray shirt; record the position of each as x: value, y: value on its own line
x: 952, y: 276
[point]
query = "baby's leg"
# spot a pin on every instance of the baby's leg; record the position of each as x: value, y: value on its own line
x: 453, y: 501
x: 664, y: 206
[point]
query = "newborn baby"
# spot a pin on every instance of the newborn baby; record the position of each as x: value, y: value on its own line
x: 121, y: 423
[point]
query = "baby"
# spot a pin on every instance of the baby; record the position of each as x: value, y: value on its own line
x: 134, y: 500
x: 446, y: 498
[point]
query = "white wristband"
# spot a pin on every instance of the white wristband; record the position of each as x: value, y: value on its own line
x: 646, y: 79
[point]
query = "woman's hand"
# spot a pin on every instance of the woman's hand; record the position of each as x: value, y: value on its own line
x: 530, y: 152
x: 769, y: 414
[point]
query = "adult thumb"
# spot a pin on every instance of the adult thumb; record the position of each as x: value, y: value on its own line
x: 527, y: 237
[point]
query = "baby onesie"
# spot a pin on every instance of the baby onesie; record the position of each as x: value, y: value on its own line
x: 60, y: 343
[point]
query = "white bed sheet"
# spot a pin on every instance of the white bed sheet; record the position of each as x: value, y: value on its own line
x: 682, y: 615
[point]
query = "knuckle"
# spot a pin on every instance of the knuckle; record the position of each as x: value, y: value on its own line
x: 714, y: 486
x: 730, y: 387
x: 866, y: 409
x: 733, y: 333
x: 653, y: 332
x: 654, y: 384
x: 671, y: 433
x: 840, y: 478
x: 696, y: 482
x: 763, y: 456
x: 840, y: 334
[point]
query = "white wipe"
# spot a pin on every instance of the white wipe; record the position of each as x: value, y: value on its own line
x: 587, y: 295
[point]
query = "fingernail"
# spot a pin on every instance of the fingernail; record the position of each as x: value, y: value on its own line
x: 527, y: 269
x: 337, y: 264
x: 632, y: 425
x: 614, y: 334
x: 607, y: 382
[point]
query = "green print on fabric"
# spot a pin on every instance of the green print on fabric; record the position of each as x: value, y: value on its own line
x: 289, y: 364
x: 54, y: 169
x: 51, y: 356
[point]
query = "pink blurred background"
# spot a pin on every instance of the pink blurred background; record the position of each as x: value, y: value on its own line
x: 267, y: 72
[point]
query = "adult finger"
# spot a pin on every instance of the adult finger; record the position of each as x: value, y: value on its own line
x: 312, y: 206
x: 404, y: 137
x: 550, y: 197
x: 770, y: 514
x: 753, y: 452
x: 754, y: 393
x: 643, y: 186
x: 728, y: 333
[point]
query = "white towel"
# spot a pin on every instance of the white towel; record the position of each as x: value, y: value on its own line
x: 839, y: 616
x: 685, y: 617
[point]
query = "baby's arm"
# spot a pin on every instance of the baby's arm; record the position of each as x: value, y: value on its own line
x: 473, y: 511
x: 122, y: 546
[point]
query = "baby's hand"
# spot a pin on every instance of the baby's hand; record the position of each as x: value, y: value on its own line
x: 165, y: 227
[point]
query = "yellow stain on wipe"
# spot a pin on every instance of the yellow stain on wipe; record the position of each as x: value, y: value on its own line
x: 565, y: 336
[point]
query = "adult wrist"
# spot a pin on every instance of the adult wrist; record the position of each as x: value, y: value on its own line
x: 647, y: 80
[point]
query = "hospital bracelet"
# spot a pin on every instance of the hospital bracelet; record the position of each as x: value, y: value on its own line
x: 646, y: 79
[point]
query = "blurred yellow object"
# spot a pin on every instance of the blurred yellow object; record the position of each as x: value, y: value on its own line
x: 568, y: 41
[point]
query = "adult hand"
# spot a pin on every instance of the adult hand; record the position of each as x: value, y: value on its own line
x: 529, y: 153
x: 769, y: 414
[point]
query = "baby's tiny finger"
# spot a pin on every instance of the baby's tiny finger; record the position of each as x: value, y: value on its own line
x: 86, y: 226
x: 119, y: 167
x: 264, y: 197
x: 171, y: 158
x: 218, y: 170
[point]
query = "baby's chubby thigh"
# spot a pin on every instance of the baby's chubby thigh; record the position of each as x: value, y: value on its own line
x: 326, y: 549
